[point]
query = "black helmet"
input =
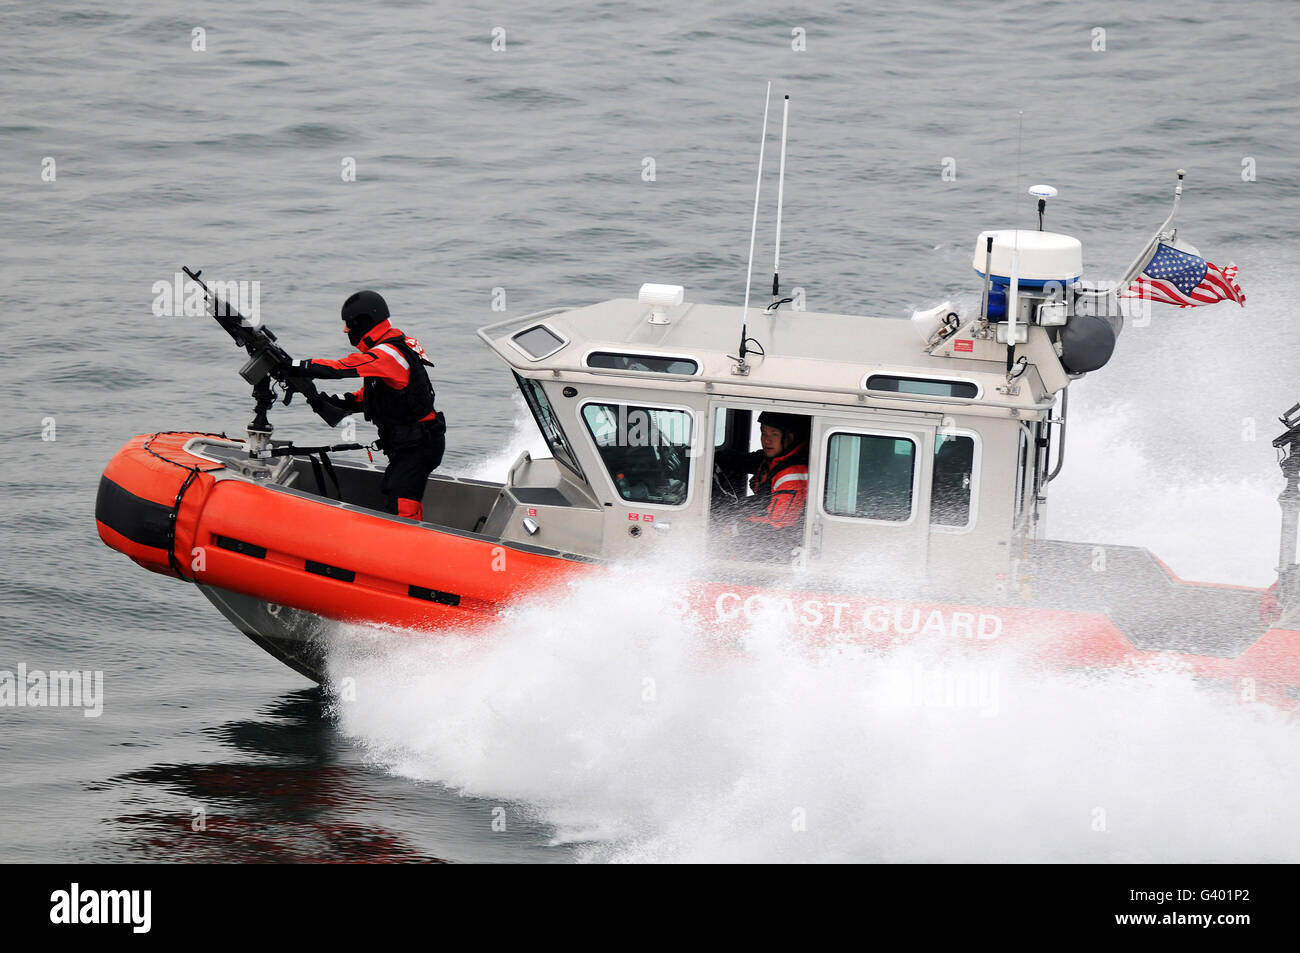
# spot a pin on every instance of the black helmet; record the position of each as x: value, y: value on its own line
x: 362, y: 311
x: 786, y: 423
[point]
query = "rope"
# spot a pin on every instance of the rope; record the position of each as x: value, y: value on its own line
x: 193, y: 471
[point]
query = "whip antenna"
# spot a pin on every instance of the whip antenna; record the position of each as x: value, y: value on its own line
x: 1013, y: 293
x: 780, y: 201
x: 741, y: 367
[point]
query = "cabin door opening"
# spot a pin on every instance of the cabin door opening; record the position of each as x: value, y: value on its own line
x: 759, y: 483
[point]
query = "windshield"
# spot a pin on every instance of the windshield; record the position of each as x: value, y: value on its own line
x: 544, y: 414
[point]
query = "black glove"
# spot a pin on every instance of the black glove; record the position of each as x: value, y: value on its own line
x: 347, y: 403
x: 294, y: 369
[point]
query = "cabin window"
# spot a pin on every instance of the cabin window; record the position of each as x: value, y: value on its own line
x: 870, y: 476
x: 656, y: 363
x: 645, y: 449
x: 538, y: 342
x: 547, y: 422
x: 953, y: 483
x: 933, y: 387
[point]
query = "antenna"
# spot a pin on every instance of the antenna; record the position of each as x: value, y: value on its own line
x: 1013, y: 293
x: 1042, y: 193
x: 741, y: 367
x: 780, y: 201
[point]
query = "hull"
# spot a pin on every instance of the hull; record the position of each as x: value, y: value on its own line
x: 282, y: 561
x: 1262, y: 664
x: 293, y: 636
x: 1268, y: 669
x: 179, y: 514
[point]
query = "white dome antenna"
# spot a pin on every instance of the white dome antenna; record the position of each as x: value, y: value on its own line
x: 1042, y: 193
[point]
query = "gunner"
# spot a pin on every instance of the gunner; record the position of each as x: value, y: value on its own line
x: 395, y: 394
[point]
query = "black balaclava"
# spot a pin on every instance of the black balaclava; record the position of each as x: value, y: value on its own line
x: 361, y: 312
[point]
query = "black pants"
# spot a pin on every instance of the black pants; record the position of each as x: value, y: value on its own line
x: 413, y: 452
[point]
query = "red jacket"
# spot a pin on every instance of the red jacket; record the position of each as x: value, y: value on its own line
x: 371, y: 359
x: 785, y: 479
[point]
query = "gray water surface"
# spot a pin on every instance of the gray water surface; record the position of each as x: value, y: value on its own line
x: 521, y: 169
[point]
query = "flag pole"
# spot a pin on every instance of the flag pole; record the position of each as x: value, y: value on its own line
x: 1144, y: 256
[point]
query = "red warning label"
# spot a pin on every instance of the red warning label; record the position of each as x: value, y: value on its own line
x: 963, y: 345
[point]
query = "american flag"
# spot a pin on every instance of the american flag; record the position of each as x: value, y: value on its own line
x: 1178, y: 277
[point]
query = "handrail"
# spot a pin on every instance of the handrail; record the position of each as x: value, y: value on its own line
x: 886, y: 402
x: 927, y: 399
x: 1060, y: 439
x: 520, y: 460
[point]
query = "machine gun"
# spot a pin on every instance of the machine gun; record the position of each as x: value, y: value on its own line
x: 266, y: 363
x: 1288, y: 448
x: 1288, y: 445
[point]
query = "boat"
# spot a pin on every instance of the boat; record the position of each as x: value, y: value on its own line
x: 932, y: 444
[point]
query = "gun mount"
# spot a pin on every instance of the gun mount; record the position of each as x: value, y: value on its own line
x: 266, y: 360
